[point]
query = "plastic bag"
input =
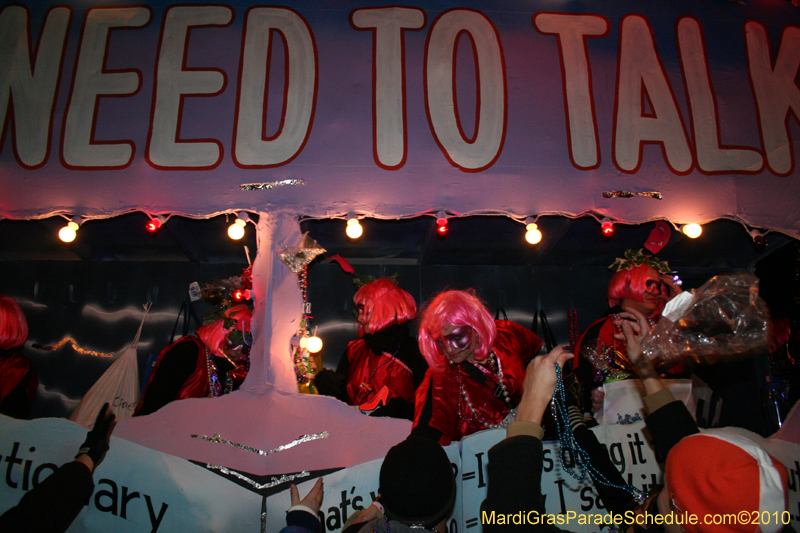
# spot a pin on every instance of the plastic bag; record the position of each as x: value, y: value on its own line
x: 119, y: 386
x: 726, y: 320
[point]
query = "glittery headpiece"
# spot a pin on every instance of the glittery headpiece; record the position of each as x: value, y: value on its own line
x: 636, y: 258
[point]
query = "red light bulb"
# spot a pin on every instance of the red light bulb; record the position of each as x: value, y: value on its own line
x: 238, y: 295
x: 153, y: 225
x: 442, y: 229
x: 607, y: 228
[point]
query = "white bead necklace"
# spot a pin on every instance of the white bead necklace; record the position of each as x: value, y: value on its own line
x: 495, y: 362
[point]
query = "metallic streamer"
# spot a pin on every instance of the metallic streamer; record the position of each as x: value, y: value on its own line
x: 269, y: 185
x: 304, y: 438
x: 274, y: 481
x: 628, y: 194
x: 75, y: 347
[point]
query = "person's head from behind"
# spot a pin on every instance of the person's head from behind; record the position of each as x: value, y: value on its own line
x: 720, y: 473
x: 380, y: 304
x: 417, y: 484
x: 640, y: 288
x: 13, y: 325
x: 455, y: 327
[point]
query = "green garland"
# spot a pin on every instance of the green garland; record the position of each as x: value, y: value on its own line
x: 636, y: 258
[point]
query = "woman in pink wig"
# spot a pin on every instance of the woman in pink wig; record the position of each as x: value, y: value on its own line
x: 477, y: 366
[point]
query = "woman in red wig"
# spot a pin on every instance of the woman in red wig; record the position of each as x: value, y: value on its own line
x: 210, y: 364
x: 18, y: 381
x: 383, y: 367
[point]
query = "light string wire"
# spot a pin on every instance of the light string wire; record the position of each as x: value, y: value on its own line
x: 304, y: 438
x: 568, y: 441
x: 75, y: 347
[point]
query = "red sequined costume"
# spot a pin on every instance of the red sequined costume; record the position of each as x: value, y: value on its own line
x: 440, y: 403
x: 18, y: 383
x: 369, y: 372
x: 602, y: 358
x: 389, y: 358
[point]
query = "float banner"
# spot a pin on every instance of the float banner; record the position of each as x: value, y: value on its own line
x: 141, y: 490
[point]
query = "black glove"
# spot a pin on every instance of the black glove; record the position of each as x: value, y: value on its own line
x: 96, y: 444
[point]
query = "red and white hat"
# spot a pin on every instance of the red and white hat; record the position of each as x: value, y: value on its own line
x: 725, y: 472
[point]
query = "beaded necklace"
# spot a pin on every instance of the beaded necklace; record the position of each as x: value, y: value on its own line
x: 496, y: 367
x: 570, y: 443
x: 215, y: 388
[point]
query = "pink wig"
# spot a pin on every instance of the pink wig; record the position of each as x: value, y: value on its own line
x: 385, y: 304
x: 456, y: 308
x: 632, y: 284
x: 13, y: 326
x: 214, y: 334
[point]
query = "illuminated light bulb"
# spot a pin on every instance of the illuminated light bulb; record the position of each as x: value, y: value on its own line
x: 314, y: 344
x: 441, y: 223
x: 154, y: 224
x: 607, y: 227
x: 303, y: 342
x: 532, y: 235
x: 68, y: 232
x: 692, y: 230
x: 238, y: 295
x: 236, y: 230
x: 354, y: 229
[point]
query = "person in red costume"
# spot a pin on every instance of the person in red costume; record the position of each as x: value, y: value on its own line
x: 209, y: 364
x: 383, y: 367
x: 477, y: 366
x: 641, y: 283
x: 18, y: 381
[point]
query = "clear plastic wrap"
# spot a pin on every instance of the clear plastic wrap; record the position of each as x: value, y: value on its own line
x: 726, y: 320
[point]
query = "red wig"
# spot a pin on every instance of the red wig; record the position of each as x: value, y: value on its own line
x: 456, y: 308
x: 631, y: 283
x: 13, y: 326
x: 385, y: 304
x: 214, y: 334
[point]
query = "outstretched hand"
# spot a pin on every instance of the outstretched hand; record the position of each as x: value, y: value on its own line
x: 96, y: 444
x: 312, y: 500
x: 540, y: 383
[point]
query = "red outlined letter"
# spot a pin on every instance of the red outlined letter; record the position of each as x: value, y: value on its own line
x: 28, y: 92
x: 174, y: 82
x: 641, y: 75
x: 483, y: 150
x: 251, y: 146
x: 777, y: 93
x: 576, y: 72
x: 711, y: 157
x: 389, y: 133
x: 92, y: 81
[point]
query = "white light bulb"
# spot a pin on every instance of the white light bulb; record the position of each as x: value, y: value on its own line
x: 693, y: 230
x: 354, y: 229
x: 314, y: 344
x: 236, y: 230
x: 303, y: 342
x: 533, y: 235
x: 67, y: 233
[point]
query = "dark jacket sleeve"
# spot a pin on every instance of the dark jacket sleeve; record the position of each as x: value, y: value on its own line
x: 53, y: 504
x: 668, y: 425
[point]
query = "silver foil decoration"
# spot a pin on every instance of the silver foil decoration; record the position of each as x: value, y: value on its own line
x: 304, y: 438
x: 628, y: 194
x: 274, y: 481
x: 269, y: 185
